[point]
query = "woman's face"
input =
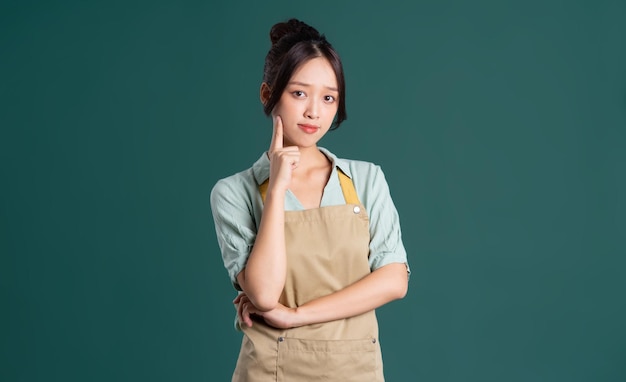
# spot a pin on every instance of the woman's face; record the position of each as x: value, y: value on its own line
x: 309, y: 103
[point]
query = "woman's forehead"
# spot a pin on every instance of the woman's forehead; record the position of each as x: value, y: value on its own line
x: 315, y: 72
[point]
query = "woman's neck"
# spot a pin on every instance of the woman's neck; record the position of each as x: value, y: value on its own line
x: 312, y: 157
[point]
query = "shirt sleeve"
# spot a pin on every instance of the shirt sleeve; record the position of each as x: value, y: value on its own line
x: 234, y: 225
x: 386, y: 244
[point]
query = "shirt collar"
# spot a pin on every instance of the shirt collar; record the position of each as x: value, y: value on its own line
x: 261, y: 168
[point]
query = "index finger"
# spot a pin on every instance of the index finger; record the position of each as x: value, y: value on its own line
x: 277, y: 134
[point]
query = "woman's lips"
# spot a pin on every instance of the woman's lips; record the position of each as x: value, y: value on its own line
x: 309, y: 129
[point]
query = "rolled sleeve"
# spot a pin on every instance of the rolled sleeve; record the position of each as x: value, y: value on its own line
x: 386, y: 246
x: 235, y: 227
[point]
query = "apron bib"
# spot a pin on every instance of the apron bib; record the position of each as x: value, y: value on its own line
x: 327, y: 250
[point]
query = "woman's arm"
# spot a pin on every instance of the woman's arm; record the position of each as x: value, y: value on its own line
x: 263, y: 278
x: 384, y: 285
x: 380, y: 287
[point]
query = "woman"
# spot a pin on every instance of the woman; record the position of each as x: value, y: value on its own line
x: 311, y: 241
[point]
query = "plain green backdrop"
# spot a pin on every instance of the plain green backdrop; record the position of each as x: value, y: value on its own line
x: 500, y: 126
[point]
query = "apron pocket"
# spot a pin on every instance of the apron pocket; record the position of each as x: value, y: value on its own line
x: 326, y: 360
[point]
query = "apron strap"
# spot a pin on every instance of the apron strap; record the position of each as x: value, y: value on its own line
x: 349, y: 192
x: 263, y: 189
x: 347, y: 187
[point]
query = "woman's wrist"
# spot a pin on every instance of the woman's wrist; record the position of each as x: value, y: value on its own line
x: 275, y: 197
x: 276, y: 190
x: 298, y: 317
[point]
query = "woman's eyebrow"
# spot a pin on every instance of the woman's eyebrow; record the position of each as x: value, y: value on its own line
x: 308, y: 85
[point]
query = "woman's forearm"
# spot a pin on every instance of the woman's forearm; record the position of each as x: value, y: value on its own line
x: 263, y: 278
x: 385, y: 284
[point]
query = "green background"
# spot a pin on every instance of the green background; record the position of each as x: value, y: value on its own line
x: 500, y: 126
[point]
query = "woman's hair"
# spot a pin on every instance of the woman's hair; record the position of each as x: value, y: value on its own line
x: 294, y: 43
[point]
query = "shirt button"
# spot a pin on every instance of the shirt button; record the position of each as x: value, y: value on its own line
x: 356, y: 209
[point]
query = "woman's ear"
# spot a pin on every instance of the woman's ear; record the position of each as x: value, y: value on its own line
x: 265, y: 93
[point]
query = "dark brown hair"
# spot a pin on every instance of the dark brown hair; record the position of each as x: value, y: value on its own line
x: 294, y: 43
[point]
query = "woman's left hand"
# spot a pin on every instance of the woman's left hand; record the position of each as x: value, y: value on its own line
x: 280, y: 317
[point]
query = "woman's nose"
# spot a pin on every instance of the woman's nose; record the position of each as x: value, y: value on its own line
x: 312, y: 110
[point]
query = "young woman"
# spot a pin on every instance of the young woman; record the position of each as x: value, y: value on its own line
x: 311, y: 242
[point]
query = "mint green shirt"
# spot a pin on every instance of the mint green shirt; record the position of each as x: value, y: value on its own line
x: 237, y: 206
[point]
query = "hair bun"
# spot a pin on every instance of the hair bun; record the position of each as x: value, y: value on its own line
x: 293, y: 27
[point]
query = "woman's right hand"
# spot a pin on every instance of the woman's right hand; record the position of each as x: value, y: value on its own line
x: 283, y: 160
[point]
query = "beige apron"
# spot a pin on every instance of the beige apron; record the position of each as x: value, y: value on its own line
x: 327, y: 250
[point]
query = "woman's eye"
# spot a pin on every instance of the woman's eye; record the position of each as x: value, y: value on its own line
x: 298, y: 93
x: 329, y: 98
